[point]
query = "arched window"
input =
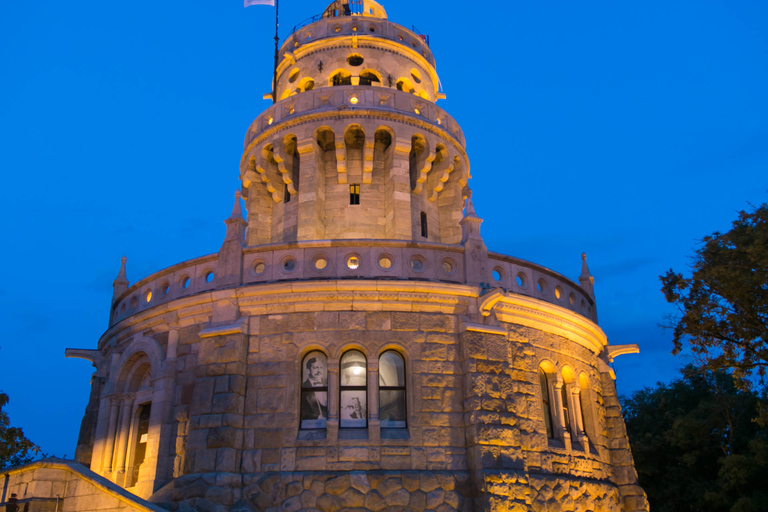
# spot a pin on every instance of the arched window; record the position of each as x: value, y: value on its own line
x: 586, y: 404
x: 314, y: 390
x: 369, y: 78
x: 392, y: 400
x: 545, y: 403
x: 341, y: 78
x: 566, y: 407
x: 353, y: 392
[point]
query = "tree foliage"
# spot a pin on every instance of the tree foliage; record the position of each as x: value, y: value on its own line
x: 700, y: 443
x: 15, y: 448
x: 723, y: 305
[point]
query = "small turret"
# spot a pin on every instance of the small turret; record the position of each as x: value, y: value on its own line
x: 475, y: 252
x: 585, y: 279
x: 230, y: 269
x: 120, y: 284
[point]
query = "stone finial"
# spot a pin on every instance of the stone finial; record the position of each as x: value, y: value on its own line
x: 236, y: 222
x: 585, y: 279
x: 120, y: 284
x: 470, y: 223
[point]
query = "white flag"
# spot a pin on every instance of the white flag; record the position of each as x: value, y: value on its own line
x: 248, y: 3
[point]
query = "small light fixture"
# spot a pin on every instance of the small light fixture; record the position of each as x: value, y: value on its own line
x: 269, y: 121
x: 353, y: 100
x: 439, y: 121
x: 417, y: 111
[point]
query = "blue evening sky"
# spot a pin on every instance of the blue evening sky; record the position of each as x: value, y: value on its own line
x: 628, y: 130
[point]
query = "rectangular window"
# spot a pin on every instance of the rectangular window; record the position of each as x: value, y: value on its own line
x: 354, y: 193
x: 286, y: 194
x: 424, y: 231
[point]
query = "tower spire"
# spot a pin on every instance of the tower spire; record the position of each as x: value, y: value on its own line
x: 585, y: 279
x: 120, y: 284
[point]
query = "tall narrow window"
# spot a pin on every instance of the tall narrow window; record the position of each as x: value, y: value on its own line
x: 566, y: 407
x: 354, y: 193
x: 353, y: 392
x: 314, y: 390
x: 142, y: 435
x: 424, y: 230
x: 392, y: 390
x: 545, y: 403
x: 286, y: 193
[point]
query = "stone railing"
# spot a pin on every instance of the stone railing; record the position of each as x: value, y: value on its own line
x: 357, y: 26
x: 526, y: 278
x: 352, y: 259
x: 351, y: 98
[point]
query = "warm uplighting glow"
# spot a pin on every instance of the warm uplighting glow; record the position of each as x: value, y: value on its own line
x: 270, y: 121
x: 417, y: 111
x: 353, y: 100
x: 353, y: 262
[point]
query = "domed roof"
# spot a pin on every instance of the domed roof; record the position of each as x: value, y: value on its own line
x: 368, y: 8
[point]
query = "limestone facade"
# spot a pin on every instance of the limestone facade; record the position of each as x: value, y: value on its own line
x: 353, y: 345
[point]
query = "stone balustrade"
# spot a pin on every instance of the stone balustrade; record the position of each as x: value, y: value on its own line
x: 352, y: 98
x: 353, y: 259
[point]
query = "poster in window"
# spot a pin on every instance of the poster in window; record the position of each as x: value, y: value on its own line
x: 353, y: 409
x: 314, y: 391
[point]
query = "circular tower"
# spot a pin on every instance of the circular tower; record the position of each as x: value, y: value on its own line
x: 353, y: 345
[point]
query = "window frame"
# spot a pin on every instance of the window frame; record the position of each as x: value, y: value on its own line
x: 403, y: 388
x: 306, y: 390
x: 363, y: 387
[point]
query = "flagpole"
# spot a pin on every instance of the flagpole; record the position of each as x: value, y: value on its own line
x: 274, y: 76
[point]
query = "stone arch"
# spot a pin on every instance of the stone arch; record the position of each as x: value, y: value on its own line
x: 405, y: 85
x: 588, y: 406
x: 355, y: 142
x: 340, y: 77
x: 306, y: 84
x: 370, y: 77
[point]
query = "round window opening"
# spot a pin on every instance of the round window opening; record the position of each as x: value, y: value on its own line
x: 498, y: 274
x: 209, y: 277
x: 448, y: 266
x: 355, y: 60
x: 571, y: 299
x: 294, y: 75
x: 259, y: 268
x: 353, y: 262
x: 289, y: 264
x: 134, y: 302
x: 520, y: 280
x: 558, y: 292
x: 148, y: 296
x: 417, y: 264
x: 165, y: 288
x: 541, y: 285
x: 185, y: 282
x: 385, y: 262
x: 320, y: 263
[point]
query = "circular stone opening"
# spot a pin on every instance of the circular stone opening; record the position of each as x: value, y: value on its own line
x: 355, y: 59
x: 320, y: 262
x: 385, y: 262
x: 448, y: 266
x: 259, y: 267
x: 541, y: 285
x: 294, y: 75
x: 289, y: 264
x: 148, y: 296
x: 185, y: 282
x: 165, y: 288
x: 498, y: 274
x: 571, y: 299
x: 353, y: 262
x: 417, y: 264
x: 209, y: 276
x: 558, y: 292
x: 521, y: 280
x: 134, y: 302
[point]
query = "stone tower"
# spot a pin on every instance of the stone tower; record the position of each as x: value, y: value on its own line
x: 353, y: 345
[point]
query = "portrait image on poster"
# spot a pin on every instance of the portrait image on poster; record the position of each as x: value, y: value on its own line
x: 314, y: 390
x: 353, y: 409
